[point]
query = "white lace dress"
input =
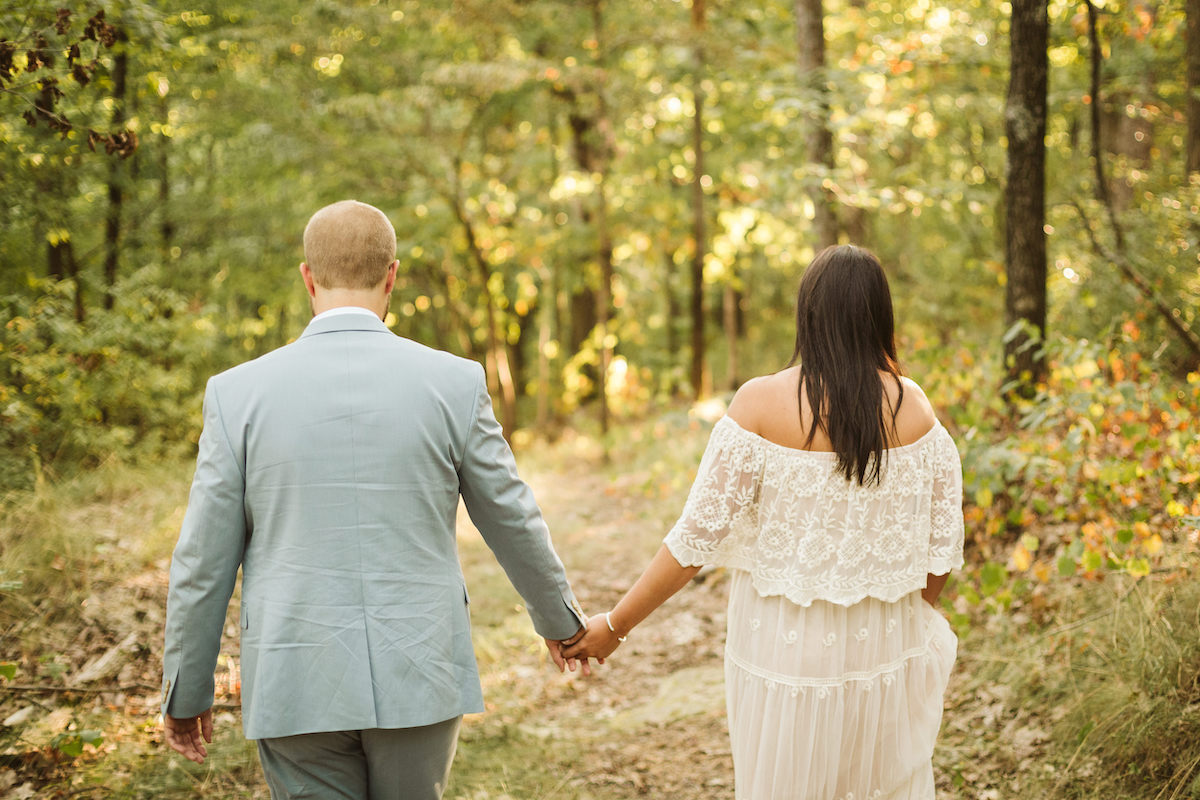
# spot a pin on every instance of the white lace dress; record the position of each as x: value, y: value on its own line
x: 834, y: 666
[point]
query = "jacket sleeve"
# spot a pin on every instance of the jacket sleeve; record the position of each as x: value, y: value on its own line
x: 204, y: 568
x: 502, y: 507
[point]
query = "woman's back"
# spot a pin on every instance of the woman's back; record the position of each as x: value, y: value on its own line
x: 775, y: 408
x: 789, y: 517
x: 834, y: 665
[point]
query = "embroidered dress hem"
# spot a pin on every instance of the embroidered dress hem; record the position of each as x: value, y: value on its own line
x: 828, y: 702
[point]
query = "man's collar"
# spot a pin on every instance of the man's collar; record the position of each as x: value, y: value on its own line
x: 333, y: 312
x: 346, y: 318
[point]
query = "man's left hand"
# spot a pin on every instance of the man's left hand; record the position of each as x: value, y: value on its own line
x: 187, y: 735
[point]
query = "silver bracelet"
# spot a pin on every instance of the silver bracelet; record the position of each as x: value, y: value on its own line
x: 608, y: 619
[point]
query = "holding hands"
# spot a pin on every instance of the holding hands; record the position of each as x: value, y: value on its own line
x: 597, y: 641
x: 604, y: 632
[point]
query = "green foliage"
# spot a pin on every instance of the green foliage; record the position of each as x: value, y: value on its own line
x: 70, y: 743
x: 75, y: 394
x: 1098, y: 473
x: 1122, y: 672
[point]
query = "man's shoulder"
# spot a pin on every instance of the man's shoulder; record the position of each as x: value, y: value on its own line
x: 412, y: 356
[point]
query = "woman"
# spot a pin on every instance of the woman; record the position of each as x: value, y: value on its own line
x: 834, y: 496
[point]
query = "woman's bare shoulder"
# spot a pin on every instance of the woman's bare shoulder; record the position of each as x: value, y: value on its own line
x: 915, y: 417
x: 761, y: 397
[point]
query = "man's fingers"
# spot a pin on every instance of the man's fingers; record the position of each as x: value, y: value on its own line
x: 556, y: 655
x: 184, y: 736
x: 206, y: 726
x: 575, y: 637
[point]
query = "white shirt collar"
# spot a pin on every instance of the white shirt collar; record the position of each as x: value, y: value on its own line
x: 333, y: 312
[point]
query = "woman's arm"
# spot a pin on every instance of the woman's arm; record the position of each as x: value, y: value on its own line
x: 933, y: 587
x: 663, y: 577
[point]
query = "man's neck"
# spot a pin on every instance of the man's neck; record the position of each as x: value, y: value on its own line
x: 327, y: 301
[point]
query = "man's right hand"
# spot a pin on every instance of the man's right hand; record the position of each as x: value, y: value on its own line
x: 187, y: 735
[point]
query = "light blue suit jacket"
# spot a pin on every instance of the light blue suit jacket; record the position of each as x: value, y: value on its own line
x: 329, y: 471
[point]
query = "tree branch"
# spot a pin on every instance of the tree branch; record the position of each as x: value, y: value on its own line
x: 48, y: 688
x: 1143, y: 286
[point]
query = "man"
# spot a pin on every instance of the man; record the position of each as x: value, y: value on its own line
x: 329, y: 471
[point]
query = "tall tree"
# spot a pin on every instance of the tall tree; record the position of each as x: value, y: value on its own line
x: 1193, y: 85
x: 604, y: 238
x: 1025, y: 195
x: 699, y: 235
x: 116, y: 173
x: 810, y: 61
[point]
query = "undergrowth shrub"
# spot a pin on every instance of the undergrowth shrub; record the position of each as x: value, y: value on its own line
x: 1098, y: 473
x: 122, y: 383
x: 1130, y: 684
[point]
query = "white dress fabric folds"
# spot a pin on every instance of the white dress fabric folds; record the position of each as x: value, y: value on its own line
x: 835, y: 668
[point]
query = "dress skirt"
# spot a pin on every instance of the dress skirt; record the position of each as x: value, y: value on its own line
x: 830, y: 702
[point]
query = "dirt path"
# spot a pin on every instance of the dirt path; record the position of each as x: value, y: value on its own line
x: 652, y: 718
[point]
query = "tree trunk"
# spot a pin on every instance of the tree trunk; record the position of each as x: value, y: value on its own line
x: 545, y: 320
x: 1025, y: 196
x: 810, y: 61
x: 604, y: 255
x: 729, y: 307
x: 604, y: 245
x: 674, y: 313
x: 496, y: 363
x: 116, y: 195
x: 1097, y: 61
x: 62, y: 265
x: 166, y: 227
x: 699, y: 236
x: 1193, y: 85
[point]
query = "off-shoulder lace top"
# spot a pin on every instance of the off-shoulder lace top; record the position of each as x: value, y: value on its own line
x: 802, y: 530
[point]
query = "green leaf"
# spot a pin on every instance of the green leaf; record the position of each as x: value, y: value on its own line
x: 68, y: 744
x: 984, y: 498
x: 91, y: 737
x: 1031, y: 542
x: 1066, y: 566
x: 1091, y: 561
x: 992, y: 577
x: 1125, y: 535
x: 1138, y: 567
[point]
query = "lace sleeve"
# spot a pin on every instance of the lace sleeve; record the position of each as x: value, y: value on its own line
x: 723, y: 498
x: 946, y: 524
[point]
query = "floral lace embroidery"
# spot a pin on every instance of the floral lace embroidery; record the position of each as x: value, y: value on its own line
x: 803, y: 531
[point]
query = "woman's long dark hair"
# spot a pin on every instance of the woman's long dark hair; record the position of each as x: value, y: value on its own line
x: 845, y: 336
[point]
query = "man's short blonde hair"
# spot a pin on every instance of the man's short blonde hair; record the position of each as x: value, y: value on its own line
x: 349, y: 245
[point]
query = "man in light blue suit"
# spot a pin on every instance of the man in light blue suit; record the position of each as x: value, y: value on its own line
x: 330, y: 472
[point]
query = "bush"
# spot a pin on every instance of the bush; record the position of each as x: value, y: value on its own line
x: 122, y: 383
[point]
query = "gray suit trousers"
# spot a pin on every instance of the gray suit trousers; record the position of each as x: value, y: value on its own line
x: 376, y: 764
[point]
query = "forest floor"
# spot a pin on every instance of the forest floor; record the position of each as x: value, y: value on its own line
x: 650, y: 723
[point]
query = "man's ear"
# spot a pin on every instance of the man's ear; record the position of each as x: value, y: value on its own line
x: 393, y: 268
x: 309, y: 283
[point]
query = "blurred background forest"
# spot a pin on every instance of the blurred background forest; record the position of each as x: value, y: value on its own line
x: 609, y: 203
x: 620, y: 188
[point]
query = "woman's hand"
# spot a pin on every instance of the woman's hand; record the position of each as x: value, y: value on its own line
x: 597, y: 641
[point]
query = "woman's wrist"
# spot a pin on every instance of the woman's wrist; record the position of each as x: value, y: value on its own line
x: 612, y: 628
